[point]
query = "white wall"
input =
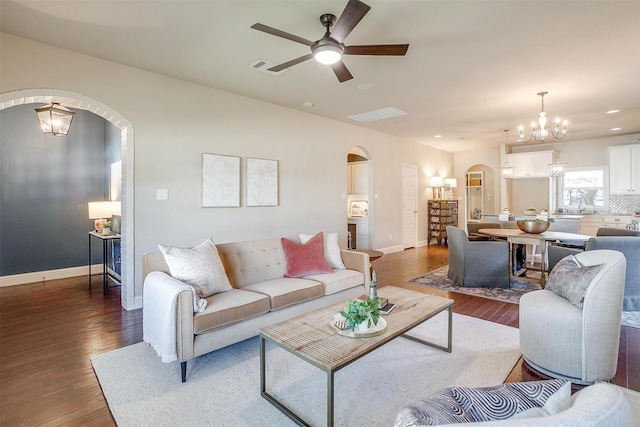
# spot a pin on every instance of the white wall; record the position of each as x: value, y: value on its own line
x: 175, y: 122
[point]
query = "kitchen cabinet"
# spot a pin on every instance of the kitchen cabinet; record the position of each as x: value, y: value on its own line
x: 530, y: 165
x: 440, y: 214
x: 362, y: 233
x: 624, y: 169
x: 358, y: 178
x: 589, y: 224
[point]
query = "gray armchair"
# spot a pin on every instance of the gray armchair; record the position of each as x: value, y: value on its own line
x: 473, y: 227
x: 477, y: 264
x: 578, y: 344
x: 630, y: 248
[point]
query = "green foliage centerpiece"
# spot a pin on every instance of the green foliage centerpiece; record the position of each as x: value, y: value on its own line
x: 361, y: 314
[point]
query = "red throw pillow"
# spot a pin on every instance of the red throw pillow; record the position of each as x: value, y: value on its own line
x: 305, y: 259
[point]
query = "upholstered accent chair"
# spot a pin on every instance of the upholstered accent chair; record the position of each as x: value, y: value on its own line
x: 477, y: 264
x: 565, y: 341
x: 473, y: 227
x: 628, y: 245
x: 608, y: 231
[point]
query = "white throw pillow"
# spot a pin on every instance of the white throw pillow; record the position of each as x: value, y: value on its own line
x: 331, y: 249
x: 199, y: 267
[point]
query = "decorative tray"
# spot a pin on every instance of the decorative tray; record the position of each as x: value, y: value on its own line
x: 378, y: 329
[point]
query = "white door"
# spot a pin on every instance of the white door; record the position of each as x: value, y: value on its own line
x: 409, y: 205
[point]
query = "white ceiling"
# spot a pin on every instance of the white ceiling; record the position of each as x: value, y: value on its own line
x: 473, y: 68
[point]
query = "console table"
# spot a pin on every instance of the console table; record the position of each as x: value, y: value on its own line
x: 105, y: 259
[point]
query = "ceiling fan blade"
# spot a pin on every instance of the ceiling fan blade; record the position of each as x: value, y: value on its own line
x: 352, y: 14
x: 341, y: 71
x: 291, y: 63
x: 280, y: 33
x: 377, y: 49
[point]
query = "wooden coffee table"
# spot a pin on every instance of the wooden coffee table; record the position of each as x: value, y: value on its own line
x: 311, y: 338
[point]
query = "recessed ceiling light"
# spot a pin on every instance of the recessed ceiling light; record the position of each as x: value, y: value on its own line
x: 613, y: 111
x: 614, y: 129
x: 307, y: 104
x: 364, y: 86
x: 437, y: 136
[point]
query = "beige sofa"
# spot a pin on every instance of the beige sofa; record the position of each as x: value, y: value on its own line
x: 261, y: 295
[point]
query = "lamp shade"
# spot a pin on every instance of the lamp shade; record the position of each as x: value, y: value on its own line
x: 98, y: 210
x: 55, y: 119
x: 451, y: 182
x: 435, y: 182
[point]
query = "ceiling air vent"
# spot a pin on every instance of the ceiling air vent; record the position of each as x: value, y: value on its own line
x: 262, y: 65
x: 371, y: 116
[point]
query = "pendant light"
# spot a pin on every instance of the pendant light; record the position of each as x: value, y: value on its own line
x: 557, y: 168
x: 55, y: 119
x: 506, y: 172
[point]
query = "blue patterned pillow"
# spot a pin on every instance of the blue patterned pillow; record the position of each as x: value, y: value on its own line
x: 570, y: 280
x: 514, y: 400
x: 440, y: 408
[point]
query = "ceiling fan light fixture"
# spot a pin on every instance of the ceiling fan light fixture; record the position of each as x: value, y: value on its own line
x: 327, y: 54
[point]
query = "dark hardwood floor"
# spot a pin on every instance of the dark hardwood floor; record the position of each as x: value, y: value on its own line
x: 49, y: 330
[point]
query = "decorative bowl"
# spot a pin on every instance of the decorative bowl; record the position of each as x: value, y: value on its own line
x: 533, y: 226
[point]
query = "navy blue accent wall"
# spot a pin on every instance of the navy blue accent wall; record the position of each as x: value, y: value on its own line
x: 45, y: 184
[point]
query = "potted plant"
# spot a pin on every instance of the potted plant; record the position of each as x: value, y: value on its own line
x: 106, y: 228
x: 361, y: 314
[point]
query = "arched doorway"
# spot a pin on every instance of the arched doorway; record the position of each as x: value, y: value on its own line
x: 81, y: 102
x: 360, y: 206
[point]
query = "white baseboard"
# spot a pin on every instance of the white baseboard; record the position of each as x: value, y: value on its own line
x: 392, y: 249
x: 40, y: 276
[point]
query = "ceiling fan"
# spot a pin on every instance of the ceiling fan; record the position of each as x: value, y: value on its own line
x: 330, y: 48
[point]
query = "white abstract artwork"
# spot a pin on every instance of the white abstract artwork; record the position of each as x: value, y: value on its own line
x: 262, y: 182
x: 220, y: 181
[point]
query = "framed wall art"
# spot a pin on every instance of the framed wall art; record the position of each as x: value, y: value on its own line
x: 359, y: 208
x: 262, y: 182
x: 220, y: 181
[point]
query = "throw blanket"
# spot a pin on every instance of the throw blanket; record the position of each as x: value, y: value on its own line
x: 159, y: 314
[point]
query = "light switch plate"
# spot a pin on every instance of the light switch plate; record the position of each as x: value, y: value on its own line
x: 162, y: 194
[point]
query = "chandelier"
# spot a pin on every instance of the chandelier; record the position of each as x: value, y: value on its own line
x: 506, y: 172
x: 540, y: 130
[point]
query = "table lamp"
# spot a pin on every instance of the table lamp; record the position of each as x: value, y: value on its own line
x: 100, y: 211
x: 450, y: 183
x: 436, y: 182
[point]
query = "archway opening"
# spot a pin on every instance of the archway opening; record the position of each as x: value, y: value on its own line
x: 78, y: 101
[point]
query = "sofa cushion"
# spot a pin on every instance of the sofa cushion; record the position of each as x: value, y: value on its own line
x: 331, y: 249
x: 199, y: 267
x: 230, y: 307
x: 440, y: 408
x: 287, y: 291
x: 514, y: 400
x: 339, y: 280
x: 570, y: 280
x: 305, y: 259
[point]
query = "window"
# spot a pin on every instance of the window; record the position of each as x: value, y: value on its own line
x: 584, y: 190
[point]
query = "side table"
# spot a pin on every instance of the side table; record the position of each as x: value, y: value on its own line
x: 105, y: 259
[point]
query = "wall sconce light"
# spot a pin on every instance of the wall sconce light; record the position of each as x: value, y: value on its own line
x: 437, y: 183
x: 55, y: 119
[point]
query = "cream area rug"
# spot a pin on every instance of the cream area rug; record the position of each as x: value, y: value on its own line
x: 223, y: 387
x: 438, y: 279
